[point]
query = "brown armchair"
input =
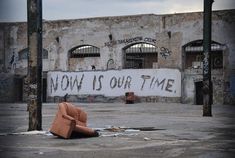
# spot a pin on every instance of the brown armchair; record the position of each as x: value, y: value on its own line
x: 70, y: 119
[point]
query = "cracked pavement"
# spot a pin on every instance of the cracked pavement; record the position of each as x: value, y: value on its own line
x: 165, y: 130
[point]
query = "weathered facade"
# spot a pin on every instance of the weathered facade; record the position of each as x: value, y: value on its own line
x: 119, y: 47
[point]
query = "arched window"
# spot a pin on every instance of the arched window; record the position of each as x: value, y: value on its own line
x: 140, y: 56
x: 194, y: 55
x: 84, y: 51
x: 23, y: 54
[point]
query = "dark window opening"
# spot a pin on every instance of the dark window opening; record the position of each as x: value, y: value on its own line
x: 23, y: 54
x: 84, y: 51
x: 194, y: 55
x: 141, y: 56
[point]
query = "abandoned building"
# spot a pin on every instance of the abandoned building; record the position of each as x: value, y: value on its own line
x: 158, y: 57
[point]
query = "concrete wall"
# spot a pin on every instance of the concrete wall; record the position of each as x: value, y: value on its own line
x: 169, y: 33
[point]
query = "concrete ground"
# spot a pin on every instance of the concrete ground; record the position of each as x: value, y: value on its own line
x: 154, y: 130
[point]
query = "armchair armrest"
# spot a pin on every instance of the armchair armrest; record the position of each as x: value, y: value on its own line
x: 85, y: 131
x: 68, y: 117
x: 63, y: 126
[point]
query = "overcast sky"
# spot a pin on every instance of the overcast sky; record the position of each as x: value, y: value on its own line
x: 16, y: 10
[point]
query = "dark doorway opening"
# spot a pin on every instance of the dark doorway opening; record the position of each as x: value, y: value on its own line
x: 199, y: 93
x: 18, y: 89
x: 44, y: 90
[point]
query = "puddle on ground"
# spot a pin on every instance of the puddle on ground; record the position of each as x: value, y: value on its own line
x: 112, y: 131
x: 129, y: 129
x: 147, y: 129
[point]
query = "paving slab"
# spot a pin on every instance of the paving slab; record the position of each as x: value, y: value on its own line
x: 135, y: 130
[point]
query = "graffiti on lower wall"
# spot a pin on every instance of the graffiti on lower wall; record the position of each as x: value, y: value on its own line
x: 143, y: 82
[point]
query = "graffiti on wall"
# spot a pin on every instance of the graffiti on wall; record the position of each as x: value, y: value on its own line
x: 143, y: 82
x: 130, y: 40
x: 12, y: 62
x: 165, y: 52
x: 206, y: 64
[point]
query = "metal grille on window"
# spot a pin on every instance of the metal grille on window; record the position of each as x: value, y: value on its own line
x: 141, y: 56
x: 194, y: 55
x: 84, y: 51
